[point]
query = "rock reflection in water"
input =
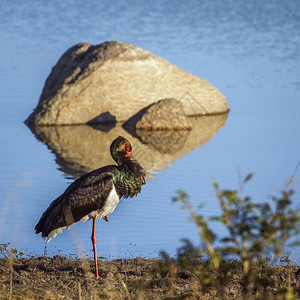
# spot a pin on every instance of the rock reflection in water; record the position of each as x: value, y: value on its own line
x: 82, y: 148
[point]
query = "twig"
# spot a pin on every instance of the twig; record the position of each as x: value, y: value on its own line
x: 11, y: 277
x: 79, y: 291
x: 124, y: 286
x: 288, y: 183
x: 240, y: 182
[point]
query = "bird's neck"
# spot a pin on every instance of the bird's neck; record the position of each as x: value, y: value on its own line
x: 132, y: 167
x: 129, y: 179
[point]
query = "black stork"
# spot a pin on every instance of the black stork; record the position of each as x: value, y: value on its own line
x: 95, y: 194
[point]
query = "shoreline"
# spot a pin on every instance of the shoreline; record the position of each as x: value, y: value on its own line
x: 59, y: 277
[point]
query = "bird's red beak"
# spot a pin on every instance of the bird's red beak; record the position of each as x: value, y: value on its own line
x: 129, y: 155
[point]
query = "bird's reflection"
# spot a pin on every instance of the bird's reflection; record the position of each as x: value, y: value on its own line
x: 82, y: 148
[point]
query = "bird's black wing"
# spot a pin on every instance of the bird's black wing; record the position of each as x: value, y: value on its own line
x: 83, y: 196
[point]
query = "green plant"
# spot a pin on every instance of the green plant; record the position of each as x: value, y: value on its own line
x: 255, y: 231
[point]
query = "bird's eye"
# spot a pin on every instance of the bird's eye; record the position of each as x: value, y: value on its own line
x: 127, y: 147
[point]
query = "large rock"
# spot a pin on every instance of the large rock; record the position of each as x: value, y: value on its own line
x: 162, y: 115
x: 117, y: 79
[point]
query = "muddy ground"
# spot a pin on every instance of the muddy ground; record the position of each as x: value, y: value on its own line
x: 138, y: 278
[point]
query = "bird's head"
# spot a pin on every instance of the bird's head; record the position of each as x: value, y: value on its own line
x: 120, y: 150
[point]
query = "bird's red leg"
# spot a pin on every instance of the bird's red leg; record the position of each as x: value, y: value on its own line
x: 94, y: 241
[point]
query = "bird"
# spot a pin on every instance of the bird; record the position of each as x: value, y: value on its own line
x: 94, y: 195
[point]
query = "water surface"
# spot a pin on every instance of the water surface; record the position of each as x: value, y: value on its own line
x: 249, y: 51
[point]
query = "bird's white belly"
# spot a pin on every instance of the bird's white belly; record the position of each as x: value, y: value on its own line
x: 111, y: 203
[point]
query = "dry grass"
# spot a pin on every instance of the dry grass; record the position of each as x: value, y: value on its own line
x: 138, y: 278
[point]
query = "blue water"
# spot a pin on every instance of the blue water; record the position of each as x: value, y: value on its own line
x: 249, y: 51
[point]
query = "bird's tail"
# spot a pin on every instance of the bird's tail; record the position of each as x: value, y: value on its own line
x: 52, y: 218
